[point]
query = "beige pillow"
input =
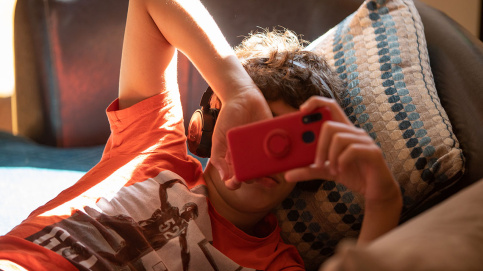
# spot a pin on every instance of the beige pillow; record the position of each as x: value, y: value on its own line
x: 380, y: 53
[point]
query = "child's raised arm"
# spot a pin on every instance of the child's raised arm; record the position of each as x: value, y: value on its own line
x: 154, y: 29
x: 349, y: 156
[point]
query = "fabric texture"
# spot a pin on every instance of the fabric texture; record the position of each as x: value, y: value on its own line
x: 142, y: 207
x: 380, y: 54
x: 17, y: 151
x: 25, y: 169
x: 447, y: 237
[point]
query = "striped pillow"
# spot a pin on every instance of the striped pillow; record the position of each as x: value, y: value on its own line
x: 380, y: 53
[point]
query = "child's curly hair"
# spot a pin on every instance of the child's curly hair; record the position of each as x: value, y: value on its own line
x: 282, y: 69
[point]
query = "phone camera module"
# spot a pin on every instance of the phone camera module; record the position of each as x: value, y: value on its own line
x: 312, y: 118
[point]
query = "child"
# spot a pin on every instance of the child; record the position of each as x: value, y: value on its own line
x: 148, y: 205
x: 290, y: 80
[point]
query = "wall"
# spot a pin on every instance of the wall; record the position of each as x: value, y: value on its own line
x: 465, y: 12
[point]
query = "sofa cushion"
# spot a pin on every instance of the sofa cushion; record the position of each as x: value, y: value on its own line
x: 31, y: 174
x: 380, y: 54
x: 447, y: 237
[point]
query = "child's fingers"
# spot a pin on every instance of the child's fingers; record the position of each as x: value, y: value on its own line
x: 314, y: 102
x: 336, y: 111
x: 221, y: 165
x: 341, y: 142
x: 327, y: 133
x: 308, y: 173
x: 229, y: 162
x: 232, y: 184
x: 360, y: 163
x: 219, y: 154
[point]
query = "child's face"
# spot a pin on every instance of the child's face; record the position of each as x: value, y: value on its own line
x: 262, y: 194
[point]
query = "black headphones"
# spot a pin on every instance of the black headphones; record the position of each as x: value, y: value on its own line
x: 202, y: 124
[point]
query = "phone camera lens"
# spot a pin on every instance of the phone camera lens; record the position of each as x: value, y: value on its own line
x: 308, y: 137
x: 312, y: 118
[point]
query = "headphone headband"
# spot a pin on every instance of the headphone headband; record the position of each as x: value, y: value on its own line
x: 205, y: 99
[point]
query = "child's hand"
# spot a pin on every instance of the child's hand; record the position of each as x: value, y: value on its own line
x: 348, y: 155
x: 246, y: 106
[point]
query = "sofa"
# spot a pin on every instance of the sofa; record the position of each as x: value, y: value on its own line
x: 67, y: 57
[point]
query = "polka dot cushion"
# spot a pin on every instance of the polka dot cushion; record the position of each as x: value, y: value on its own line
x: 380, y: 53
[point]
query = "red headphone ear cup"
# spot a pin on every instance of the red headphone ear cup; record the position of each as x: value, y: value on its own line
x: 200, y: 131
x: 195, y: 131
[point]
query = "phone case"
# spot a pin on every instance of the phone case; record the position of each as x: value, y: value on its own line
x: 271, y: 146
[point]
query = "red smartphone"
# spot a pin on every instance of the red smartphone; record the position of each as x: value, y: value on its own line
x: 275, y: 145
